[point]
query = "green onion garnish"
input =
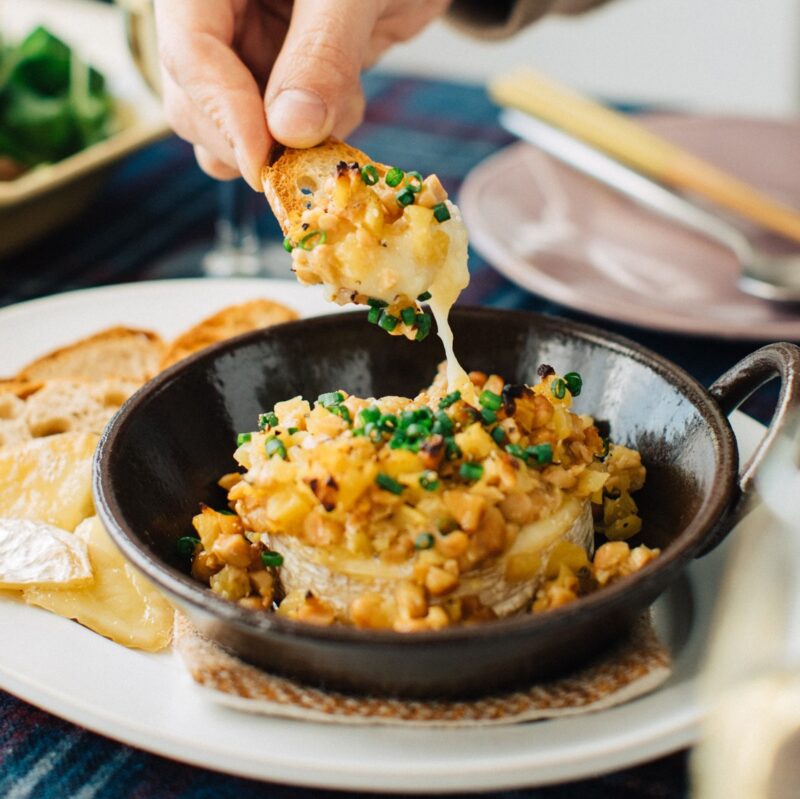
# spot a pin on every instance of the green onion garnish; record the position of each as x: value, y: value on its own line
x: 499, y: 435
x: 574, y: 383
x: 423, y: 414
x: 408, y: 315
x: 271, y: 559
x: 423, y: 322
x: 341, y: 411
x: 404, y: 197
x: 388, y: 483
x: 287, y: 244
x: 416, y: 430
x: 388, y: 422
x: 471, y: 471
x: 406, y: 418
x: 490, y: 400
x: 312, y: 239
x: 394, y: 177
x: 451, y: 450
x: 243, y: 438
x: 414, y: 182
x: 488, y: 415
x: 274, y: 446
x: 442, y: 424
x: 369, y: 415
x: 330, y: 398
x: 226, y: 512
x: 292, y: 430
x: 424, y: 297
x: 449, y: 399
x: 541, y: 453
x: 187, y: 545
x: 516, y: 450
x: 423, y: 541
x: 267, y: 420
x: 373, y: 303
x: 429, y: 480
x: 441, y: 212
x: 369, y: 175
x: 558, y: 388
x: 387, y: 322
x: 371, y: 431
x: 374, y: 315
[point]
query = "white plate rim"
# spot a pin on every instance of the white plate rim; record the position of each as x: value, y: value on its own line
x: 391, y: 759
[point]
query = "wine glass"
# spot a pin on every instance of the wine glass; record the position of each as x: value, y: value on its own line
x: 237, y: 249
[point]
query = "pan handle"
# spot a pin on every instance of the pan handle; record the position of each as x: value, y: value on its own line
x: 781, y: 360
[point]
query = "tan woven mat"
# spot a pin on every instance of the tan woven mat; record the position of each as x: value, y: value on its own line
x: 633, y: 668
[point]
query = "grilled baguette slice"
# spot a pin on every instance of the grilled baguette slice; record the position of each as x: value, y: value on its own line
x: 340, y: 582
x: 123, y: 353
x: 290, y: 174
x: 230, y: 321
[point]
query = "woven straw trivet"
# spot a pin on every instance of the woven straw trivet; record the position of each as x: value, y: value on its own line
x: 635, y: 667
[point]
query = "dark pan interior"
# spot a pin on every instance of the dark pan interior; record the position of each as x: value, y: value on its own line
x: 165, y: 452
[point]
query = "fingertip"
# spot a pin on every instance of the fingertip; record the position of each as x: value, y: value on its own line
x: 299, y: 118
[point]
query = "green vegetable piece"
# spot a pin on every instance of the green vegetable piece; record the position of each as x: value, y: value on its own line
x: 499, y: 435
x: 429, y: 480
x: 187, y: 545
x: 374, y: 315
x: 423, y: 322
x: 408, y: 315
x: 373, y: 303
x: 471, y: 471
x: 449, y: 399
x: 274, y: 446
x: 414, y: 182
x: 271, y: 559
x: 404, y: 197
x: 441, y: 212
x: 388, y: 422
x: 388, y: 483
x: 490, y: 400
x: 558, y: 388
x: 517, y: 451
x: 394, y: 177
x: 574, y: 383
x: 243, y: 438
x: 312, y: 239
x: 267, y: 420
x: 371, y: 414
x: 330, y: 398
x: 387, y: 322
x: 287, y: 244
x: 488, y: 416
x: 423, y: 541
x: 424, y: 297
x: 369, y: 175
x: 541, y: 453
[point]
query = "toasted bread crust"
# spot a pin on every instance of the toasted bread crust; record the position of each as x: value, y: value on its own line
x: 118, y: 352
x: 229, y: 322
x: 289, y: 170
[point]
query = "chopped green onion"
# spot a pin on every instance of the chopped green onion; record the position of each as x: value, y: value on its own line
x: 429, y: 480
x: 414, y: 182
x: 373, y: 303
x: 292, y: 430
x: 424, y: 415
x: 574, y: 383
x: 500, y: 436
x: 187, y: 545
x: 489, y: 416
x: 451, y: 449
x: 404, y: 197
x: 558, y: 388
x: 341, y: 411
x: 423, y: 322
x: 388, y: 483
x: 287, y: 244
x: 516, y: 450
x: 387, y: 322
x: 449, y: 399
x: 442, y: 424
x: 371, y: 414
x: 471, y: 471
x: 406, y: 418
x: 372, y: 431
x: 394, y: 177
x: 330, y: 398
x: 388, y: 422
x: 398, y: 440
x: 441, y: 212
x: 243, y: 438
x: 312, y: 239
x: 369, y: 175
x: 226, y: 512
x: 408, y: 315
x: 267, y: 420
x: 541, y: 453
x: 416, y: 430
x: 488, y: 399
x: 274, y: 446
x: 374, y: 315
x: 423, y: 541
x: 271, y: 559
x: 424, y: 297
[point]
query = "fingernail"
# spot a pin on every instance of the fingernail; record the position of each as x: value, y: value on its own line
x: 298, y: 118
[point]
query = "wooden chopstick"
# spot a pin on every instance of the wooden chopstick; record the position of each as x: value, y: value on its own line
x: 627, y: 141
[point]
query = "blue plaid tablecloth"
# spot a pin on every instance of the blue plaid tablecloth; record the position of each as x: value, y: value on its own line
x: 153, y: 218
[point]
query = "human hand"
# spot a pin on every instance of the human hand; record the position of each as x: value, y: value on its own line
x: 238, y: 74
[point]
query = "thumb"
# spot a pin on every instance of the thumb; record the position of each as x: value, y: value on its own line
x: 314, y: 87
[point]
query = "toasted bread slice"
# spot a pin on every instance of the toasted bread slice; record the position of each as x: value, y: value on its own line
x: 224, y: 324
x: 119, y: 352
x: 290, y: 175
x: 60, y: 406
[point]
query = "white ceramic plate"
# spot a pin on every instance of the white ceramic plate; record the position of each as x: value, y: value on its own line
x: 149, y: 701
